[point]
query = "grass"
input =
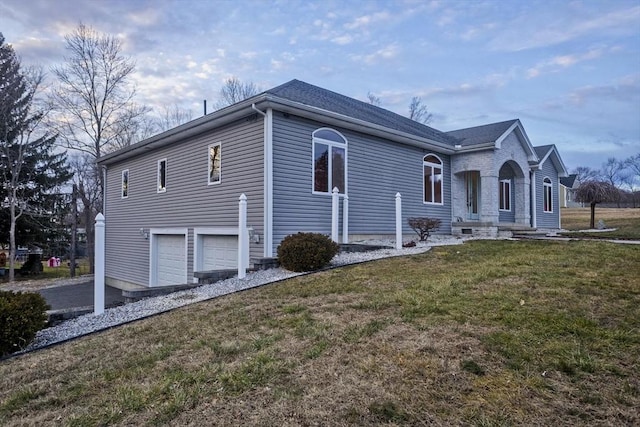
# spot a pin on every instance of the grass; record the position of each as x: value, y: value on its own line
x: 626, y: 221
x: 49, y: 272
x: 487, y: 333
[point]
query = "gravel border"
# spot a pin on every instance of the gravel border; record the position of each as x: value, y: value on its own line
x: 90, y: 323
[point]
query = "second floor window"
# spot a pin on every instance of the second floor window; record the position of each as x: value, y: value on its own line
x: 125, y: 183
x: 162, y: 175
x: 215, y: 163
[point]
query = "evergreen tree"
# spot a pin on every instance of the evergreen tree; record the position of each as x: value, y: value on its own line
x: 31, y: 172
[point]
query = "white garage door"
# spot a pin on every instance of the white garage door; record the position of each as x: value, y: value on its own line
x: 171, y: 262
x: 219, y: 252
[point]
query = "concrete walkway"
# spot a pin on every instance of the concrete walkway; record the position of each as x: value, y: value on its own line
x: 80, y: 295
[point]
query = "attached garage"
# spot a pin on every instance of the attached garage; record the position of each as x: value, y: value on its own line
x: 168, y: 258
x: 219, y: 252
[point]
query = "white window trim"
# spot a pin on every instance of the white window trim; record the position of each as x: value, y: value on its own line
x: 432, y: 165
x: 122, y: 195
x: 330, y: 144
x: 501, y: 202
x: 153, y: 249
x: 546, y: 185
x: 164, y: 189
x: 209, y: 164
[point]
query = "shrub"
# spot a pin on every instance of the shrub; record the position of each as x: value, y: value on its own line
x: 306, y: 251
x: 21, y: 316
x: 424, y: 226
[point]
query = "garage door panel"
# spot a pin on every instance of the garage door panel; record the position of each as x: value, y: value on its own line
x: 171, y: 260
x: 219, y: 252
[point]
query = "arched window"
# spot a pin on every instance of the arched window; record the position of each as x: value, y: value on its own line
x: 329, y: 161
x: 547, y: 189
x: 432, y: 166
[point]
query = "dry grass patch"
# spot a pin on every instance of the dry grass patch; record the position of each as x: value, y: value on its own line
x: 495, y: 332
x: 626, y: 221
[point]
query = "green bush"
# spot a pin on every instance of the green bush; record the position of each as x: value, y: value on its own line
x: 306, y: 251
x: 21, y: 316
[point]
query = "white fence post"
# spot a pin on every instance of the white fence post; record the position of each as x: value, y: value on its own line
x: 398, y: 221
x: 335, y: 204
x: 98, y: 278
x: 243, y: 237
x: 345, y: 219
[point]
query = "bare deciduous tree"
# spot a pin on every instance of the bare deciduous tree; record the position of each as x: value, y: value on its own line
x: 234, y: 91
x: 613, y: 171
x: 594, y: 192
x: 373, y: 100
x: 419, y: 112
x: 172, y: 116
x: 585, y: 174
x: 93, y: 97
x: 633, y: 164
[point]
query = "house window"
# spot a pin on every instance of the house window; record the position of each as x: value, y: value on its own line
x: 432, y: 166
x: 505, y: 195
x: 215, y: 153
x: 329, y: 161
x: 162, y: 175
x: 125, y: 183
x: 548, y: 193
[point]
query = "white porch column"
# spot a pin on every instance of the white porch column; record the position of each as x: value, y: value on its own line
x: 335, y: 203
x: 98, y: 278
x: 243, y: 237
x: 398, y: 221
x: 345, y: 219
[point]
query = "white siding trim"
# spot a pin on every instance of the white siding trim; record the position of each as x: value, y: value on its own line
x: 153, y: 250
x: 268, y: 184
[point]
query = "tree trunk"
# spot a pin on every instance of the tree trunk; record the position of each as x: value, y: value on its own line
x: 12, y: 240
x: 593, y: 216
x: 74, y: 232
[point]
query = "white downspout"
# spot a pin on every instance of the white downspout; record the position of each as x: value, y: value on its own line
x: 268, y: 180
x: 534, y: 221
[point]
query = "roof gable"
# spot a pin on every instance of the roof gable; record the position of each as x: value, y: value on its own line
x: 545, y: 152
x: 569, y: 181
x: 492, y: 136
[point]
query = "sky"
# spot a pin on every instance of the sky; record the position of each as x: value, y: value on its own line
x: 569, y: 70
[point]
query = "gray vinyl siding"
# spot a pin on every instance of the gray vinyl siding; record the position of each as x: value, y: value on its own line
x: 547, y: 219
x: 189, y: 201
x: 376, y: 170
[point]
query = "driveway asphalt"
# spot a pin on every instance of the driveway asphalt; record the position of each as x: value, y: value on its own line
x: 79, y: 295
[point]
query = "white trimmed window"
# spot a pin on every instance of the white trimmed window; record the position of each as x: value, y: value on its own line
x: 329, y: 161
x: 162, y: 175
x: 505, y: 195
x: 125, y: 184
x: 432, y: 167
x: 547, y: 189
x: 215, y: 163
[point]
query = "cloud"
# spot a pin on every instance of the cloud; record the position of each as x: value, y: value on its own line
x: 560, y: 62
x: 542, y: 30
x: 626, y: 90
x: 367, y: 20
x: 383, y: 54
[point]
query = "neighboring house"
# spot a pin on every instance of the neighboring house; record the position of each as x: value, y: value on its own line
x: 171, y: 201
x: 568, y: 186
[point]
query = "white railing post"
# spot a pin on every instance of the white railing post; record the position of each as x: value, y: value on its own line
x: 243, y: 237
x: 398, y: 221
x: 98, y: 278
x: 345, y: 219
x: 335, y: 203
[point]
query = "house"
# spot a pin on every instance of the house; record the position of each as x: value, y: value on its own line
x: 171, y: 201
x: 568, y: 186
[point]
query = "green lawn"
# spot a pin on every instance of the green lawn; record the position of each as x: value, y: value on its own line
x: 486, y: 333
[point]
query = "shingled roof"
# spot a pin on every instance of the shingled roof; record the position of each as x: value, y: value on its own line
x: 314, y: 96
x: 542, y: 150
x: 481, y: 134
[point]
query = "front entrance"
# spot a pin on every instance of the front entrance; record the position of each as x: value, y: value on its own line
x: 472, y: 179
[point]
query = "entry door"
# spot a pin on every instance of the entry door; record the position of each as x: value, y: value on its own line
x: 473, y: 195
